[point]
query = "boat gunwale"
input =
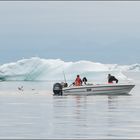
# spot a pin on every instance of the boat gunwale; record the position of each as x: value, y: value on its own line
x: 97, y: 86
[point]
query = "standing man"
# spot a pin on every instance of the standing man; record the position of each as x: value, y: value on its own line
x: 78, y: 81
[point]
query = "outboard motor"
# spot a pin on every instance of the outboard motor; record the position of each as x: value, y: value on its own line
x: 57, y: 89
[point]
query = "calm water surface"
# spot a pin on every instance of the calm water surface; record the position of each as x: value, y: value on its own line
x: 35, y: 113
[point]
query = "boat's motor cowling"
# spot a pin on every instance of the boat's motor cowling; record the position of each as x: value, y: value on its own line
x: 57, y: 89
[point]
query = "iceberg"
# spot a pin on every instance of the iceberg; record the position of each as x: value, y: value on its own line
x: 38, y: 69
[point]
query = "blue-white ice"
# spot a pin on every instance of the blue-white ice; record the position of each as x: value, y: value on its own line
x: 37, y: 69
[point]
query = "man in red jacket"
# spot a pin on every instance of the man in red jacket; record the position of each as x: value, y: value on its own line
x: 78, y: 81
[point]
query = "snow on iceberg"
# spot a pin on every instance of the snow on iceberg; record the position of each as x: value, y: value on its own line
x: 52, y: 69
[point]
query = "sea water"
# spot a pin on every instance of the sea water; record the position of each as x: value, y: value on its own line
x: 29, y: 110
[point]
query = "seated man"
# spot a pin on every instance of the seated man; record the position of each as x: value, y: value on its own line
x: 84, y: 80
x: 112, y: 78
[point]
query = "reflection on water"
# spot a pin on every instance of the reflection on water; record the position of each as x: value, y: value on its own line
x: 93, y: 117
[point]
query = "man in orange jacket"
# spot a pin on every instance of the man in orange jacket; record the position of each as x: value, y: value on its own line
x: 78, y: 81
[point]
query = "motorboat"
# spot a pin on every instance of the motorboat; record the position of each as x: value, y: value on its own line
x: 93, y: 89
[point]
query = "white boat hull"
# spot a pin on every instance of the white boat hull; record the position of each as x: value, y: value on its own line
x: 101, y: 89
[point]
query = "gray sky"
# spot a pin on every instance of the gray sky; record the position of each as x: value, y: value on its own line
x: 106, y: 32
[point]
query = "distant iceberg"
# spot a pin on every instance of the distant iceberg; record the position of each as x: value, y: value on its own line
x: 36, y: 68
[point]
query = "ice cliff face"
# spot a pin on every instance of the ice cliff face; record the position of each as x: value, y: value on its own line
x: 52, y: 69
